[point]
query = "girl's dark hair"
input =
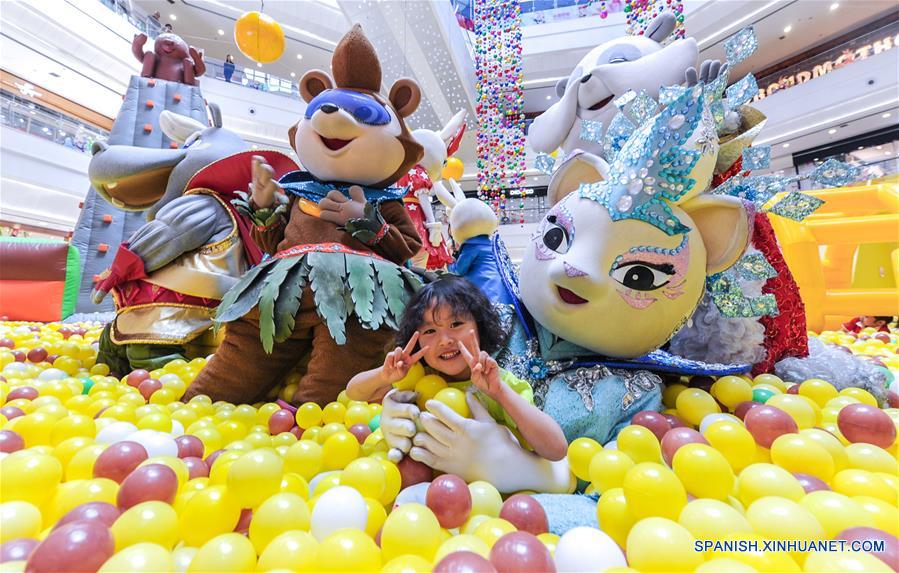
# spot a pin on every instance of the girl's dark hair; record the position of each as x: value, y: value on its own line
x: 463, y: 298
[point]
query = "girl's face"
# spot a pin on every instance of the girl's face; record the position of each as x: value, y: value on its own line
x: 441, y: 331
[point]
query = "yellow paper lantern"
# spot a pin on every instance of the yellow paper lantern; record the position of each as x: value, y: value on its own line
x: 259, y: 37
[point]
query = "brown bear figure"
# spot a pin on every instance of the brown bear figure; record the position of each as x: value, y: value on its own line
x: 171, y: 59
x: 335, y: 286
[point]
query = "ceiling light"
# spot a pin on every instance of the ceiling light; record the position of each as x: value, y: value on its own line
x: 258, y: 65
x: 785, y: 145
x: 879, y: 147
x: 788, y: 29
x: 549, y: 97
x: 221, y: 32
x: 887, y: 152
x: 173, y: 17
x: 860, y: 147
x: 834, y: 6
x: 299, y: 56
x: 831, y: 131
x: 886, y: 115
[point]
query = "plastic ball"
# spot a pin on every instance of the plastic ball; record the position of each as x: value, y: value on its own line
x: 890, y: 552
x: 453, y: 169
x: 154, y: 482
x: 868, y: 424
x: 291, y: 550
x: 733, y: 441
x: 694, y: 404
x: 338, y: 508
x: 490, y: 530
x: 348, y: 550
x: 659, y: 544
x: 608, y: 468
x: 308, y: 415
x: 19, y: 519
x: 450, y: 499
x: 411, y: 528
x: 525, y: 513
x: 731, y: 390
x: 763, y: 480
x: 226, y: 552
x: 712, y: 519
x: 140, y: 558
x: 854, y: 482
x: 156, y: 443
x: 87, y: 543
x: 676, y: 438
x: 209, y: 512
x: 639, y: 443
x: 485, y: 499
x: 580, y: 453
x: 427, y: 387
x: 119, y: 460
x: 464, y: 562
x: 17, y: 550
x: 413, y: 472
x: 151, y: 521
x: 653, y: 490
x: 818, y: 391
x: 587, y: 549
x: 835, y: 512
x: 29, y: 477
x: 767, y: 423
x: 339, y: 450
x: 652, y: 420
x: 259, y: 37
x: 521, y: 552
x: 455, y: 399
x: 703, y: 471
x: 279, y: 513
x: 304, y: 458
x: 781, y: 518
x: 105, y: 513
x: 462, y: 542
x: 10, y: 442
x: 255, y: 476
x: 366, y: 476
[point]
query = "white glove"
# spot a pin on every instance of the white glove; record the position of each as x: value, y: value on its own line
x: 398, y: 416
x: 480, y: 449
x: 435, y: 233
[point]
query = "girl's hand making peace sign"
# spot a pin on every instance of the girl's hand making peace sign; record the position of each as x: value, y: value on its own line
x: 484, y: 369
x: 398, y: 361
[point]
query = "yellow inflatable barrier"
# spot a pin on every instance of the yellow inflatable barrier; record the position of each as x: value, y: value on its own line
x: 845, y: 256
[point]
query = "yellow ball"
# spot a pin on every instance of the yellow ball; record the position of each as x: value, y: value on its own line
x: 453, y: 169
x: 34, y: 428
x: 357, y: 414
x: 831, y: 444
x: 658, y: 544
x: 408, y: 382
x: 335, y: 412
x: 771, y: 380
x: 731, y: 390
x: 291, y: 550
x: 580, y: 454
x: 871, y: 458
x: 140, y: 558
x: 796, y: 407
x: 859, y: 482
x: 781, y: 518
x: 411, y: 528
x: 763, y: 480
x: 348, y: 550
x: 797, y: 453
x: 640, y: 444
x: 428, y: 387
x: 255, y: 476
x: 885, y: 516
x: 227, y: 552
x: 703, y: 471
x: 694, y: 404
x: 393, y: 482
x: 366, y: 475
x: 860, y: 394
x: 19, y: 519
x: 294, y: 483
x: 455, y: 399
x: 490, y: 530
x: 835, y: 512
x: 209, y: 512
x: 463, y: 542
x: 72, y: 426
x: 150, y: 522
x: 652, y: 490
x: 613, y: 515
x: 339, y: 450
x: 712, y: 519
x: 734, y: 442
x: 485, y: 499
x: 608, y: 468
x: 845, y: 562
x: 29, y: 477
x: 375, y: 518
x: 279, y: 513
x: 818, y: 390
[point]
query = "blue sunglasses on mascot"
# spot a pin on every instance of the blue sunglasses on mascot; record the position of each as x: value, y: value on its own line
x: 363, y: 108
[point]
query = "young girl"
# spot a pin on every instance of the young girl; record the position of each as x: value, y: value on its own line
x: 451, y: 326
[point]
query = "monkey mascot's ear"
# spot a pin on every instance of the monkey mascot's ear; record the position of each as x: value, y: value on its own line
x: 405, y: 95
x: 313, y: 83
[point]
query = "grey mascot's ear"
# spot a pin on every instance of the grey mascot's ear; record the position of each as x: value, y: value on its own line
x: 216, y: 112
x: 577, y: 170
x: 661, y: 27
x: 178, y: 127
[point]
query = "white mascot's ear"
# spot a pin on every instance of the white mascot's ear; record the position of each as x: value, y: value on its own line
x: 550, y: 128
x: 661, y: 27
x: 576, y: 170
x: 560, y: 87
x: 471, y: 218
x: 724, y: 224
x: 178, y: 127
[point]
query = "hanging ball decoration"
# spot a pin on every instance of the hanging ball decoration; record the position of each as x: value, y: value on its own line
x: 259, y: 37
x: 453, y: 169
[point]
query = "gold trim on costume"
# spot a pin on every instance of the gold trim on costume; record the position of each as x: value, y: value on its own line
x: 160, y: 323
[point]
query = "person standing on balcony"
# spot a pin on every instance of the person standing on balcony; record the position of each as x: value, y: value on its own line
x: 229, y: 67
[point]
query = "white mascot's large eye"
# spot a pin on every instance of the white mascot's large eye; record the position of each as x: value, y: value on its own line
x: 555, y: 237
x: 643, y: 276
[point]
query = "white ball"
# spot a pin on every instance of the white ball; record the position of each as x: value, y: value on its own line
x: 170, y: 378
x: 15, y: 367
x: 52, y: 374
x: 317, y: 478
x: 613, y: 445
x: 587, y: 549
x: 710, y: 419
x: 338, y: 508
x: 155, y: 442
x: 177, y: 428
x: 417, y: 493
x: 116, y: 432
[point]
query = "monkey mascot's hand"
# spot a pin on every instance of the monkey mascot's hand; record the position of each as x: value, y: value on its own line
x: 337, y: 209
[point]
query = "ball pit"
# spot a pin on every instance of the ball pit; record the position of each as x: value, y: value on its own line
x: 118, y: 474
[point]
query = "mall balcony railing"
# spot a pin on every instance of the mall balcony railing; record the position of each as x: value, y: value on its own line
x: 48, y: 124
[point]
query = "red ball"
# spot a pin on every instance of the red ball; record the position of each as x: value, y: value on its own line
x: 76, y: 546
x: 148, y: 387
x: 465, y: 562
x: 23, y: 392
x: 98, y: 511
x: 890, y: 553
x: 190, y: 446
x: 11, y: 412
x: 892, y: 398
x: 521, y: 552
x: 17, y: 549
x: 794, y: 389
x: 883, y: 337
x: 361, y: 431
x: 674, y: 421
x: 243, y: 522
x: 702, y: 382
x: 196, y: 467
x: 297, y: 431
x: 677, y: 437
x: 36, y: 355
x: 52, y: 358
x: 767, y: 423
x: 525, y: 513
x: 136, y: 377
x: 868, y: 424
x: 10, y: 442
x: 153, y: 482
x: 810, y: 483
x: 653, y: 421
x: 280, y: 421
x: 18, y: 355
x: 7, y: 343
x: 210, y: 459
x: 413, y: 472
x: 118, y: 460
x: 450, y: 499
x: 744, y: 407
